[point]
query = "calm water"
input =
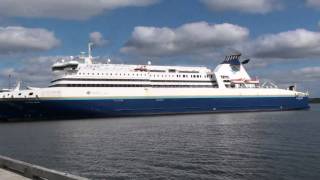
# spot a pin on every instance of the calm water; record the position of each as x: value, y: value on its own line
x: 267, y: 145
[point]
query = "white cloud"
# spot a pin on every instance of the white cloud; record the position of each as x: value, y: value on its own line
x: 248, y: 6
x: 187, y: 39
x: 64, y: 9
x: 15, y: 39
x: 97, y: 39
x: 309, y: 72
x: 298, y: 43
x: 34, y: 71
x: 313, y: 3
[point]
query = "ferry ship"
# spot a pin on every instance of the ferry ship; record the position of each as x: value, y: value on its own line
x: 85, y: 89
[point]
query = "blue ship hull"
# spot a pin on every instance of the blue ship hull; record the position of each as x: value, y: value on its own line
x: 16, y: 109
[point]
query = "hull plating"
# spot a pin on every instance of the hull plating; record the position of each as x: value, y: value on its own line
x: 89, y: 108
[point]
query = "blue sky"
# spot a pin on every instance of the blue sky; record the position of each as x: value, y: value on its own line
x: 280, y: 36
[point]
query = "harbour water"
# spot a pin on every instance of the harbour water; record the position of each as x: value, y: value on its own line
x: 264, y: 145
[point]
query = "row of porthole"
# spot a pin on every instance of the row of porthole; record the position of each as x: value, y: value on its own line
x: 184, y: 76
x: 134, y: 85
x: 30, y: 94
x: 11, y: 95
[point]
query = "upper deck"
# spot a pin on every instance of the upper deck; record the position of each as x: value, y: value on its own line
x: 83, y: 72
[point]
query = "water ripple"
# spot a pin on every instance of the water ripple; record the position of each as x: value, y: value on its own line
x: 268, y: 145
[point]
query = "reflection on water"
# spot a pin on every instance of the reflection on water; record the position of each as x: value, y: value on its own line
x: 267, y: 145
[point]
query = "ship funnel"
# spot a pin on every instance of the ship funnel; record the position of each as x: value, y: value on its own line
x: 233, y: 60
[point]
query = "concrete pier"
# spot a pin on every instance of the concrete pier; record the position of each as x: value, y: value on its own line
x: 17, y: 170
x: 5, y: 174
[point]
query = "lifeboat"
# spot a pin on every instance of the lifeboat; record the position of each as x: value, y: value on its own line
x: 237, y: 81
x: 142, y: 69
x: 252, y: 81
x: 245, y: 81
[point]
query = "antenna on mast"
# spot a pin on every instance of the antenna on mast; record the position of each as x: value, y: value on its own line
x: 88, y: 60
x: 90, y: 49
x: 9, y: 81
